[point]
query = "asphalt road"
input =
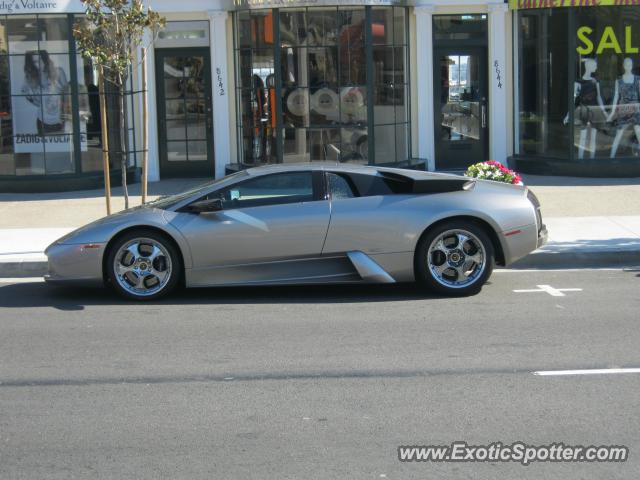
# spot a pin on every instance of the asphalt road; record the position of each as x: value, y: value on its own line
x: 316, y: 383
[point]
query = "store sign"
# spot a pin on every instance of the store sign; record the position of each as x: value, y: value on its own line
x: 526, y: 4
x: 242, y: 4
x: 607, y: 41
x: 40, y: 6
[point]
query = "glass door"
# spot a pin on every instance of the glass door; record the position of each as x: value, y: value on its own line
x: 460, y: 100
x: 185, y: 129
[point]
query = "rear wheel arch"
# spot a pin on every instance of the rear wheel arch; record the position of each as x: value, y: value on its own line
x: 486, y: 226
x: 113, y: 240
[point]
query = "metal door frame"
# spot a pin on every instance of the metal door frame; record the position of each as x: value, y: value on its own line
x: 181, y: 169
x: 461, y: 49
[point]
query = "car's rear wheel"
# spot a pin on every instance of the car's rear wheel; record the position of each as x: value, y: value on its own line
x: 455, y: 258
x: 143, y: 265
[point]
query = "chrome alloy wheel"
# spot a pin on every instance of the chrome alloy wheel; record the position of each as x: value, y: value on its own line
x: 142, y: 266
x: 456, y: 258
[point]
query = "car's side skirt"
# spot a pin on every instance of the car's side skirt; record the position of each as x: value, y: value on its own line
x: 349, y: 267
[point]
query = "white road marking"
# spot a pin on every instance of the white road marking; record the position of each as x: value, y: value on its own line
x: 553, y: 270
x: 554, y: 292
x: 596, y: 371
x: 22, y: 280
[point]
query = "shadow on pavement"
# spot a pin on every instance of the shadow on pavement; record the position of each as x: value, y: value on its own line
x: 25, y: 295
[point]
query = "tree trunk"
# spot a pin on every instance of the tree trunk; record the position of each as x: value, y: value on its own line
x: 105, y: 141
x: 145, y: 127
x: 123, y: 144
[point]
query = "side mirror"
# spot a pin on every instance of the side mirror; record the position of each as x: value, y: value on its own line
x: 203, y: 206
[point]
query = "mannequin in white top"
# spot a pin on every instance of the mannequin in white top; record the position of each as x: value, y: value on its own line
x: 589, y: 108
x: 626, y: 105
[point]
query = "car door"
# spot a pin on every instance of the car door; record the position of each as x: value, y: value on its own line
x: 367, y: 213
x: 266, y: 223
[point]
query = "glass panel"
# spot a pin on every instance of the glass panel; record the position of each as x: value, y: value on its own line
x: 383, y: 71
x: 402, y: 142
x: 399, y: 26
x: 30, y: 163
x: 22, y: 30
x: 460, y: 27
x: 384, y: 105
x: 325, y: 106
x: 324, y: 145
x: 544, y: 92
x: 399, y: 55
x: 295, y: 107
x: 293, y: 27
x: 174, y: 109
x: 197, y: 150
x: 382, y: 25
x: 177, y: 151
x: 294, y: 66
x: 385, y: 141
x: 196, y: 119
x: 353, y: 104
x: 243, y: 29
x: 7, y: 162
x: 92, y: 157
x: 354, y: 145
x: 323, y: 66
x: 262, y: 29
x: 175, y: 130
x: 460, y: 103
x: 400, y: 94
x: 352, y: 54
x: 296, y: 145
x: 245, y: 69
x: 59, y: 154
x: 322, y: 26
x: 54, y: 34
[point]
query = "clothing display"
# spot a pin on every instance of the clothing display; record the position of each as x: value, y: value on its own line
x: 628, y: 108
x: 587, y: 108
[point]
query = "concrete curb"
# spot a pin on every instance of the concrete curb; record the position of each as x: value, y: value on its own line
x: 22, y: 268
x: 539, y: 260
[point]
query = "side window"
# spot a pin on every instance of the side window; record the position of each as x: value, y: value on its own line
x: 371, y: 185
x: 339, y: 186
x: 275, y: 189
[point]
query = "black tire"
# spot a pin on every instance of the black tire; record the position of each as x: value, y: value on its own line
x: 174, y: 264
x: 423, y: 262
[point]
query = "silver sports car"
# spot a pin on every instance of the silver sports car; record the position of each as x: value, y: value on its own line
x: 308, y: 224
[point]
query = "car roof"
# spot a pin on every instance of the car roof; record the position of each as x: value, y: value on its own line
x: 347, y: 168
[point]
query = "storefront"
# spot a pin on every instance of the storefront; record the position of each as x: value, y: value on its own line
x: 548, y: 87
x: 50, y: 135
x: 578, y: 88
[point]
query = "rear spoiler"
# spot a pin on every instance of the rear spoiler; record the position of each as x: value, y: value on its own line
x: 430, y: 186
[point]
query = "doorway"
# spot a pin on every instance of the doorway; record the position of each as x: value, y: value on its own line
x: 460, y: 107
x: 185, y: 121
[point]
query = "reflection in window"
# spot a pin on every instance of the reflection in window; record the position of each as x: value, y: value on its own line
x: 324, y: 90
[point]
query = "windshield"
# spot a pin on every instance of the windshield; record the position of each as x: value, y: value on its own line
x: 169, y: 200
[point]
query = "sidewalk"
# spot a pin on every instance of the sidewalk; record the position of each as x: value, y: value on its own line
x: 591, y: 222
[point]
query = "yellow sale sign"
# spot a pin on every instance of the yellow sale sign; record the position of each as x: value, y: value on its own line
x: 524, y: 4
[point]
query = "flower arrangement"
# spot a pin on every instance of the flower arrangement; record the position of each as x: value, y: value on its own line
x: 495, y: 171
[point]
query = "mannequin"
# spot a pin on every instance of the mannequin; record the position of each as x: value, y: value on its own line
x: 589, y: 110
x: 626, y: 105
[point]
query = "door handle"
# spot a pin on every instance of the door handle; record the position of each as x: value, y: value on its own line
x: 484, y: 116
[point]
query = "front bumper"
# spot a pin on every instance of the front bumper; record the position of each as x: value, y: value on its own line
x: 77, y: 264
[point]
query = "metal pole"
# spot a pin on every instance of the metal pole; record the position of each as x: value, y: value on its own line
x: 105, y: 142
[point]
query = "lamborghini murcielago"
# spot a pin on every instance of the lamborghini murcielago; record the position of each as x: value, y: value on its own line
x: 308, y: 224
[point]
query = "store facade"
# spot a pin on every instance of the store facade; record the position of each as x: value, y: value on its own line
x: 546, y: 87
x: 578, y: 87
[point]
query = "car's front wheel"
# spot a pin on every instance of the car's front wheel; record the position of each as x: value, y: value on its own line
x: 455, y: 258
x: 143, y: 265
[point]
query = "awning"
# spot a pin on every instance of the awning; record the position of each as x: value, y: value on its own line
x: 529, y: 4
